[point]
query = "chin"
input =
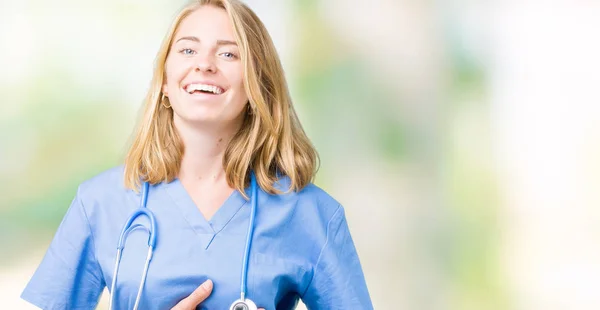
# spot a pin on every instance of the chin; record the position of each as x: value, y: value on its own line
x: 198, y: 118
x: 201, y: 119
x: 199, y: 113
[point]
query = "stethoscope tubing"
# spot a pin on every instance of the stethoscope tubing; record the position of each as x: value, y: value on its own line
x: 152, y: 235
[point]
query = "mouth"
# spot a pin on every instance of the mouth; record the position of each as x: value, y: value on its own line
x: 202, y: 88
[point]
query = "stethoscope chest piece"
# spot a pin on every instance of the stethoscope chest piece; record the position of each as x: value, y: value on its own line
x: 245, y: 304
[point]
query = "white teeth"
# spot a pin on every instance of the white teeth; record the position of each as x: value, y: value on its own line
x: 204, y: 87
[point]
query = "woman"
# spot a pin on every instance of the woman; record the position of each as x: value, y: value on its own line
x: 217, y: 121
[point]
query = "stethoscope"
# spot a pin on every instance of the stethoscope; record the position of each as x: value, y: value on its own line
x: 241, y: 304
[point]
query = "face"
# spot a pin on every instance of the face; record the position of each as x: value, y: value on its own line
x: 204, y: 73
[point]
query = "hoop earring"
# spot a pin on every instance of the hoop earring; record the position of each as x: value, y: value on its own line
x: 162, y: 101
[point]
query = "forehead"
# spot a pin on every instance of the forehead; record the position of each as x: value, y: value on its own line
x: 207, y: 23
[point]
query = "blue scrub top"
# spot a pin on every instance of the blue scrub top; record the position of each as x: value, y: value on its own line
x: 301, y: 249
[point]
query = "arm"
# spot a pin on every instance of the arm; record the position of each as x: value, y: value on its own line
x: 338, y: 281
x: 69, y: 276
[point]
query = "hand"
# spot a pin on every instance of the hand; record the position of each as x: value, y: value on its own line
x: 197, y: 297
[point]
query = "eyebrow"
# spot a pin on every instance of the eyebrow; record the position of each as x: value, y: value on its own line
x: 195, y: 39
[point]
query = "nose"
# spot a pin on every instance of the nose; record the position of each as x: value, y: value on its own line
x: 206, y: 63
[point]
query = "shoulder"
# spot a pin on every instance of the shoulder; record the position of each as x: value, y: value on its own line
x: 107, y: 181
x: 106, y: 187
x: 310, y: 201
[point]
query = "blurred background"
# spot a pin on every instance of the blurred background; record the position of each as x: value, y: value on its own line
x: 462, y: 137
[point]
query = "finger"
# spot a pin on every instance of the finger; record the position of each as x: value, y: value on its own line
x: 196, y: 297
x: 261, y: 308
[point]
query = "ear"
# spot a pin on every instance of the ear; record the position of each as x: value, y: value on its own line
x: 165, y: 89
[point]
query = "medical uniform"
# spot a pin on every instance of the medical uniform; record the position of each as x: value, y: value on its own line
x: 301, y: 249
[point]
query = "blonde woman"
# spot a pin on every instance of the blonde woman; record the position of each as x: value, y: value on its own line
x: 215, y: 189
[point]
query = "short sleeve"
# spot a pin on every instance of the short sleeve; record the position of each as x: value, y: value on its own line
x: 69, y: 277
x: 338, y: 281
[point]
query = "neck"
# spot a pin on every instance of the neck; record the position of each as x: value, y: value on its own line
x: 202, y: 161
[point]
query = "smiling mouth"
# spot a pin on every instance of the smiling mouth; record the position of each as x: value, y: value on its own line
x: 203, y: 89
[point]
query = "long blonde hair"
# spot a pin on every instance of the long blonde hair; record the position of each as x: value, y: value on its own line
x: 271, y: 140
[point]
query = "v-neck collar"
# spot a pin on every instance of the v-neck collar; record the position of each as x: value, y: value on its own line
x: 206, y: 230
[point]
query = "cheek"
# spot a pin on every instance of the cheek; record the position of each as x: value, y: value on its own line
x: 174, y: 70
x: 240, y: 93
x: 237, y: 81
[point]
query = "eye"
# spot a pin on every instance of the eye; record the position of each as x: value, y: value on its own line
x: 229, y: 55
x: 187, y: 51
